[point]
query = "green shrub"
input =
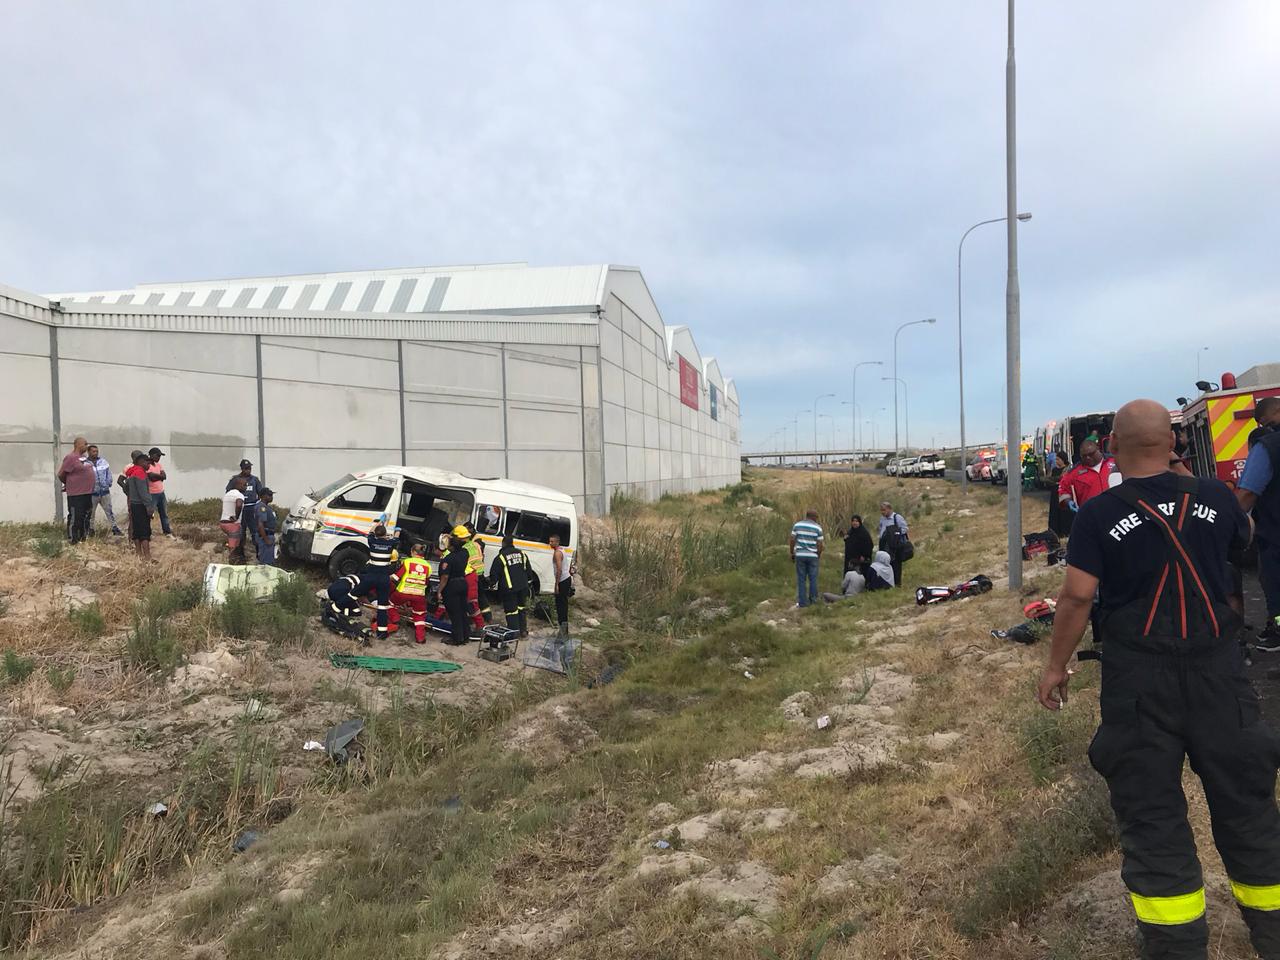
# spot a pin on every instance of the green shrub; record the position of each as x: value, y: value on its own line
x: 238, y: 613
x: 47, y: 547
x: 16, y: 668
x: 61, y: 678
x: 737, y: 494
x: 162, y: 602
x: 87, y: 621
x: 1051, y: 741
x: 295, y: 594
x: 1043, y: 850
x: 152, y: 646
x: 275, y: 624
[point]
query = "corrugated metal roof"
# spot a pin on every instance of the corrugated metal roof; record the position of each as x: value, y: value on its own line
x: 486, y: 289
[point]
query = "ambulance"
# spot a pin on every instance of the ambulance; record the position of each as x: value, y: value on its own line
x: 328, y: 526
x: 1218, y: 422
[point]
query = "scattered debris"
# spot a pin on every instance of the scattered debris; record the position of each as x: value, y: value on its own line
x: 157, y: 809
x: 661, y: 845
x: 313, y: 745
x: 824, y: 721
x: 221, y: 578
x: 338, y: 738
x: 245, y: 841
x: 748, y: 674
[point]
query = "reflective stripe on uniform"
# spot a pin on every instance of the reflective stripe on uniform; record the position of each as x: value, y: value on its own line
x: 1169, y: 911
x: 1257, y: 897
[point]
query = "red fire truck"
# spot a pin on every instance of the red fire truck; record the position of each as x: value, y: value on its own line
x: 1219, y: 421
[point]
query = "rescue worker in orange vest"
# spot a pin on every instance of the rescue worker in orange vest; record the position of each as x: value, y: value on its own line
x: 475, y: 567
x: 409, y: 592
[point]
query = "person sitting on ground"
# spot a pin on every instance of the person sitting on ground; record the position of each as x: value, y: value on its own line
x: 857, y: 546
x: 880, y: 575
x: 852, y: 585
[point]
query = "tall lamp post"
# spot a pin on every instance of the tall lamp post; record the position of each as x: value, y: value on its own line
x: 909, y: 323
x: 906, y: 407
x: 964, y: 448
x: 853, y: 429
x: 854, y: 398
x: 1013, y: 310
x: 815, y: 422
x: 795, y: 423
x: 1198, y: 352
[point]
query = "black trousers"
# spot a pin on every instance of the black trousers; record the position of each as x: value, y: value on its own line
x: 1156, y: 710
x: 513, y: 603
x: 562, y: 600
x: 377, y: 579
x: 79, y: 513
x: 455, y: 604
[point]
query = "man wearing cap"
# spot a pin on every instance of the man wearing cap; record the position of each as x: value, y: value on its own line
x: 248, y: 513
x: 136, y: 485
x: 156, y: 477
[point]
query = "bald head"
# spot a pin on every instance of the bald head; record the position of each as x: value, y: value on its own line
x: 1141, y: 439
x: 1267, y: 411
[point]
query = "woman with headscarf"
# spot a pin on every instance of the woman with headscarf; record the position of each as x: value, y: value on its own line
x: 857, y: 547
x: 880, y: 573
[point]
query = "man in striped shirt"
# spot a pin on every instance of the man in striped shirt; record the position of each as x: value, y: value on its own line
x: 806, y: 548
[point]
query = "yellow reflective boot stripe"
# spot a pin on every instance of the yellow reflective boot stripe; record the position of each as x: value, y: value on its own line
x: 1257, y: 898
x: 1168, y: 911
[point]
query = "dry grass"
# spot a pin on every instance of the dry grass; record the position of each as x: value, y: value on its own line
x: 441, y: 835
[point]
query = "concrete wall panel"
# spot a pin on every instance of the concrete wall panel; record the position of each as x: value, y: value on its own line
x: 202, y: 352
x: 328, y: 361
x: 23, y: 336
x: 548, y: 379
x: 444, y: 423
x: 323, y: 416
x: 544, y: 427
x: 453, y: 368
x: 562, y: 470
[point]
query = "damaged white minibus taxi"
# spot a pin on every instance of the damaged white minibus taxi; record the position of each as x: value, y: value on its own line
x: 329, y: 525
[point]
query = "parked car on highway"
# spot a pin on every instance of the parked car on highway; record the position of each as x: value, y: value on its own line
x: 909, y: 467
x: 979, y: 468
x: 933, y: 465
x: 891, y: 468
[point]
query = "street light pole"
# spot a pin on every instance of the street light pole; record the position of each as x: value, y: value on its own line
x: 854, y: 398
x: 964, y: 447
x: 815, y: 422
x: 1013, y: 309
x: 910, y: 323
x: 1198, y: 352
x: 906, y: 407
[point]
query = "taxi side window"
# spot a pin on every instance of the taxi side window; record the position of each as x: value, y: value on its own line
x: 488, y: 519
x: 364, y: 496
x: 538, y: 527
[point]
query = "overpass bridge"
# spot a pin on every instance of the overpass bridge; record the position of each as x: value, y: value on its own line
x: 812, y: 456
x: 862, y: 456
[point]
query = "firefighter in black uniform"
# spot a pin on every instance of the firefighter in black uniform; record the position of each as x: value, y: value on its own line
x: 511, y: 575
x: 1173, y: 686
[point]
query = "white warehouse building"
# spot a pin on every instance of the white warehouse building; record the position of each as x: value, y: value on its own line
x: 562, y: 376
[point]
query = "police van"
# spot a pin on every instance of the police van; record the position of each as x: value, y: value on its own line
x: 329, y: 525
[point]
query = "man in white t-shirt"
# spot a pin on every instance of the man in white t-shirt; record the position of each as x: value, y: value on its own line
x: 232, y: 508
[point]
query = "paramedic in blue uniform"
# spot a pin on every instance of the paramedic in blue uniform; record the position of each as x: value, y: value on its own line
x: 1173, y: 686
x: 1259, y: 492
x: 376, y: 575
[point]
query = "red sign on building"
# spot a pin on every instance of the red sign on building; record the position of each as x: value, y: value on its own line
x: 688, y: 384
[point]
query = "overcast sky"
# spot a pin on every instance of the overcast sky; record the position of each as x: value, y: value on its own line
x: 792, y: 178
